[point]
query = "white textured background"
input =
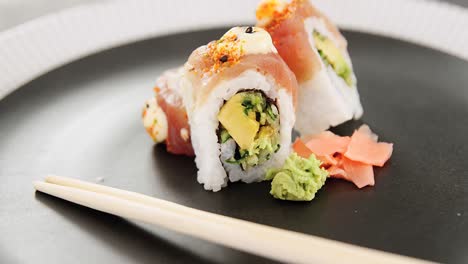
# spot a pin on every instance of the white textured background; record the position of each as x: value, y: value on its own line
x: 13, y: 12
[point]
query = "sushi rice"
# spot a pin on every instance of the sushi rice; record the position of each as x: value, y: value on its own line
x: 333, y: 101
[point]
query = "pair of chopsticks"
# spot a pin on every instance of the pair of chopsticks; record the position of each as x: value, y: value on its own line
x: 262, y: 240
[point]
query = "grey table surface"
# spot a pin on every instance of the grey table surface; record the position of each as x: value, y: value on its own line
x: 15, y: 12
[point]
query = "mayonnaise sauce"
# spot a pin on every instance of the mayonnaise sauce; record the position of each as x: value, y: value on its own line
x: 155, y: 120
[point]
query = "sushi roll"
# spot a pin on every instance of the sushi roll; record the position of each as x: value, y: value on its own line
x: 240, y: 100
x: 316, y: 52
x: 164, y: 116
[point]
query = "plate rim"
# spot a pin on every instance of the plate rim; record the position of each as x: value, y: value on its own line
x: 73, y: 33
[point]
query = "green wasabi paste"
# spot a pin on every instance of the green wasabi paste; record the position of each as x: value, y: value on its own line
x: 298, y: 180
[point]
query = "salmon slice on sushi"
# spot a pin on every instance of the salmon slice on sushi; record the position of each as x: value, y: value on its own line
x: 240, y: 96
x: 316, y: 52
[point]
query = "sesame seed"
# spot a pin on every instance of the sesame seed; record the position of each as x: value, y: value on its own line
x: 184, y: 134
x: 249, y: 30
x: 223, y: 58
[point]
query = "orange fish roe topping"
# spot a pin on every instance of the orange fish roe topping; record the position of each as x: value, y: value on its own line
x: 270, y: 13
x: 224, y: 52
x: 156, y: 89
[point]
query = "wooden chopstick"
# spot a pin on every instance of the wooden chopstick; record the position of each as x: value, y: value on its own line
x: 132, y: 196
x: 266, y: 241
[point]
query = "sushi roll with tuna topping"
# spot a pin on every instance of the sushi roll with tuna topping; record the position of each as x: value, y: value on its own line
x: 164, y: 116
x: 316, y: 52
x: 240, y: 100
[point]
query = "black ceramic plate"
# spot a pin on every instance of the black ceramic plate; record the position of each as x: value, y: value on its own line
x: 83, y: 120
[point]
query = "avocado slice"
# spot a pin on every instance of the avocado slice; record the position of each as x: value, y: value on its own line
x: 241, y: 125
x: 333, y: 56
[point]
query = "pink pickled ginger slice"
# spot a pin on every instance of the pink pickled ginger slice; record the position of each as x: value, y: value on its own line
x: 359, y: 173
x: 363, y: 147
x: 327, y: 160
x: 301, y: 149
x: 338, y: 173
x: 327, y: 143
